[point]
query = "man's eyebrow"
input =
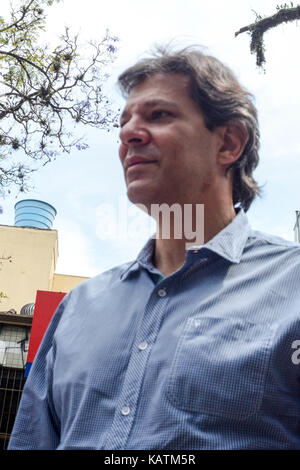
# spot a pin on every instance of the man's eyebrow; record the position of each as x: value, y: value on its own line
x: 151, y: 104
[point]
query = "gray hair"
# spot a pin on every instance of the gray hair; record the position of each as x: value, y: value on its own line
x: 220, y: 97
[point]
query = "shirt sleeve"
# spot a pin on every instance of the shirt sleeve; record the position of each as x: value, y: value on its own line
x: 37, y: 425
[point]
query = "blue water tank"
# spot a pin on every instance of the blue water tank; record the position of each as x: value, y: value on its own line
x: 32, y: 213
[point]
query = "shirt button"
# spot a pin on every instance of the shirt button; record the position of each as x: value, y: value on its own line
x: 125, y: 410
x: 196, y: 251
x: 143, y: 345
x: 162, y: 292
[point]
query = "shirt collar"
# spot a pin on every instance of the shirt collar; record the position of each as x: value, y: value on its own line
x: 229, y: 243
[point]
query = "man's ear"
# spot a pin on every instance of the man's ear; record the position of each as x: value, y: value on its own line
x: 233, y: 140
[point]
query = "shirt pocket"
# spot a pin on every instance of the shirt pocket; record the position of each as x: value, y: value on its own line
x: 220, y: 367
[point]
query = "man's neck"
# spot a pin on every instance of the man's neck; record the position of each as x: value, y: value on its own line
x: 170, y: 253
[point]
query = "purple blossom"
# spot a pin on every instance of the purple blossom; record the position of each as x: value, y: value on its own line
x: 111, y: 48
x: 86, y: 104
x: 51, y: 153
x: 82, y: 146
x: 82, y: 104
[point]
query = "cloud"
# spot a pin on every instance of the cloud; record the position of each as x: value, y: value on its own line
x: 75, y: 255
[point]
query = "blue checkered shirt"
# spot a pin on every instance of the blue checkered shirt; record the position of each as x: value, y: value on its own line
x: 206, y: 358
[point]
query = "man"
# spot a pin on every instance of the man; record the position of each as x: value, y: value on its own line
x: 183, y: 348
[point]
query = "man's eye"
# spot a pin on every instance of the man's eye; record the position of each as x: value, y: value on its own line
x: 157, y: 114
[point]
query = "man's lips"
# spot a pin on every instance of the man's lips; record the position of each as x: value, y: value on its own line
x: 134, y: 165
x: 137, y: 161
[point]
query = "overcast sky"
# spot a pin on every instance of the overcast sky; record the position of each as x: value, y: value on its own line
x: 80, y: 183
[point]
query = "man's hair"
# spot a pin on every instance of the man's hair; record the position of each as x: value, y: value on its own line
x: 220, y: 97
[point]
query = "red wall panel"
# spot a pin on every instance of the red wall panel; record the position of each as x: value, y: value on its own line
x: 45, y: 305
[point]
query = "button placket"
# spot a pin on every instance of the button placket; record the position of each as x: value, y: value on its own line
x: 128, y: 400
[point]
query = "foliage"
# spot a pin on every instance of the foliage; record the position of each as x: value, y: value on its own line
x: 3, y: 296
x: 44, y: 91
x: 285, y: 13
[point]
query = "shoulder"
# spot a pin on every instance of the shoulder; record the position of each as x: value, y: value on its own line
x: 102, y: 282
x: 266, y: 245
x: 89, y: 296
x: 273, y: 240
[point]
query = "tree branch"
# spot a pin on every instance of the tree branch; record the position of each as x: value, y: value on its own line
x: 259, y: 28
x: 24, y: 12
x: 43, y: 93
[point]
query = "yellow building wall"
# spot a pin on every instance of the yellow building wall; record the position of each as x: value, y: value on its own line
x: 64, y: 282
x: 27, y: 263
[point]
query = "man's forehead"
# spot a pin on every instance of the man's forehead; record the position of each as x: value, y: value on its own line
x: 157, y: 90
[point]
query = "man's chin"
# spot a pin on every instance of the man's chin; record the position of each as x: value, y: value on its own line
x: 140, y: 197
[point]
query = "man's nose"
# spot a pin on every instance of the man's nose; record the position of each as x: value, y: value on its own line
x: 134, y: 133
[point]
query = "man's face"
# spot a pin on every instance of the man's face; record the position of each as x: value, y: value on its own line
x: 168, y: 154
